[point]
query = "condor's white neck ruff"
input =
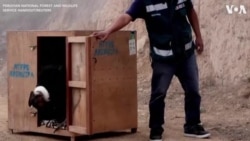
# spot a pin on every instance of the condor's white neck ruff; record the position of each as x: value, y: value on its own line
x: 42, y: 90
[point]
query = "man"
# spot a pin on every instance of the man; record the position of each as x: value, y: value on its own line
x: 172, y: 53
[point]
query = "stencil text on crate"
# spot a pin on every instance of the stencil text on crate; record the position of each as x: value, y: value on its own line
x: 106, y: 48
x: 21, y: 70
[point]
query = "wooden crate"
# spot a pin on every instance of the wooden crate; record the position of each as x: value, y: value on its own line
x: 101, y: 81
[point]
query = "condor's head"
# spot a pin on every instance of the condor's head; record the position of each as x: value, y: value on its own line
x: 38, y: 97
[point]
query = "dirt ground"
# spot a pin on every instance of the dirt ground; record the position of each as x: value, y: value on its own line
x: 227, y: 121
x: 225, y: 113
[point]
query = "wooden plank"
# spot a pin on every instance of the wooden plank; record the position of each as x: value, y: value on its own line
x: 77, y: 39
x: 78, y: 70
x: 78, y: 129
x: 88, y: 69
x: 45, y: 130
x: 84, y: 33
x: 68, y: 89
x: 77, y: 84
x: 113, y: 84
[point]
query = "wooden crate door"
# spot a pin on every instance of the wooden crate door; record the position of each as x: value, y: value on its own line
x: 76, y: 87
x: 22, y: 78
x: 113, y: 91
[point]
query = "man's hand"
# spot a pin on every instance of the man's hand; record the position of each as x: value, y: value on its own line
x: 102, y: 35
x: 199, y: 45
x: 121, y: 21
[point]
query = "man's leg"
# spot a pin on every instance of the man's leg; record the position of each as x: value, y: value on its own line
x: 161, y: 78
x: 187, y: 74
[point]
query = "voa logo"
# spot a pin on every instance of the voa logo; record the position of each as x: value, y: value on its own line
x: 236, y: 9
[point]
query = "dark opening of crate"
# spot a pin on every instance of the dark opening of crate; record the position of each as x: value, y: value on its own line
x: 51, y: 67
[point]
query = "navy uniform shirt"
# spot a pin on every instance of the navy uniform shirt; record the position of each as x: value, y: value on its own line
x: 169, y: 31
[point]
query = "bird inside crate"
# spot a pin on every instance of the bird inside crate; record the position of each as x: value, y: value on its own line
x: 49, y: 97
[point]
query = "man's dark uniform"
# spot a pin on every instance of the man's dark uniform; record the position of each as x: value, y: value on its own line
x: 172, y: 53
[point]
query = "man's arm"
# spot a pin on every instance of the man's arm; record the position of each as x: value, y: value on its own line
x: 136, y: 10
x: 119, y: 23
x: 193, y: 19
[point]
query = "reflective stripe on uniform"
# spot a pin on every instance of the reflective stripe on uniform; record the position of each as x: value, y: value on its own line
x: 180, y: 4
x: 188, y: 45
x: 166, y: 53
x: 156, y: 7
x: 181, y: 1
